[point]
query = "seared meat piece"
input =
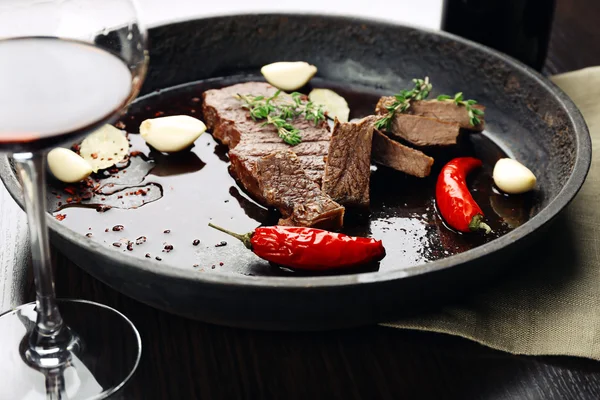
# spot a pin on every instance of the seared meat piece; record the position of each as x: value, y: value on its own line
x: 424, y: 131
x: 348, y: 166
x: 248, y: 139
x: 273, y: 172
x: 278, y: 180
x: 392, y: 154
x: 446, y: 111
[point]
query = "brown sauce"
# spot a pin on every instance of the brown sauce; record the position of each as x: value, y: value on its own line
x: 180, y: 193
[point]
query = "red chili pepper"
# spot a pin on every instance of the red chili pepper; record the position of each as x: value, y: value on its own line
x: 310, y: 249
x: 453, y: 198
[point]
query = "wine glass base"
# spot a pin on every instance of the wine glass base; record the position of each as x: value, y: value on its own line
x: 106, y: 356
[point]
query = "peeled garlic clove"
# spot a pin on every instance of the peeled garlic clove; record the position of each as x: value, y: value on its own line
x: 104, y: 147
x: 173, y: 133
x: 334, y: 104
x: 512, y: 177
x: 67, y: 166
x: 288, y: 75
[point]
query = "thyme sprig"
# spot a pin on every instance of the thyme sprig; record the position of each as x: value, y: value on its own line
x: 280, y: 114
x: 402, y: 101
x: 474, y: 113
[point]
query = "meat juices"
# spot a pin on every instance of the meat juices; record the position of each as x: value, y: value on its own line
x: 276, y: 174
x: 348, y: 167
x: 444, y: 111
x: 395, y: 155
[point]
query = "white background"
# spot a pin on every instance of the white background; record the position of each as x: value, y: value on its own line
x: 421, y: 13
x: 46, y: 17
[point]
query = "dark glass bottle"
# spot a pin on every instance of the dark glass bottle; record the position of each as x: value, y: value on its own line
x: 519, y: 28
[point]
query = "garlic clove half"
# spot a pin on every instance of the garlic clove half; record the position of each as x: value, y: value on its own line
x: 512, y: 177
x: 173, y: 133
x: 104, y: 147
x: 68, y: 166
x: 334, y: 104
x: 288, y: 75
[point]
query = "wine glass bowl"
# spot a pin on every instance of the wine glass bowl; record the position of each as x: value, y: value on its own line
x: 67, y: 67
x: 51, y: 83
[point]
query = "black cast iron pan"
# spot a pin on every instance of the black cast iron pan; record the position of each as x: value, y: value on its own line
x: 527, y: 117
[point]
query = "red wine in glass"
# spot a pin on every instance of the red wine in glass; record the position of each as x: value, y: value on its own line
x: 54, y: 90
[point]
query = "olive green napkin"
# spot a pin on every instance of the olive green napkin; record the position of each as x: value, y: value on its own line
x: 552, y: 306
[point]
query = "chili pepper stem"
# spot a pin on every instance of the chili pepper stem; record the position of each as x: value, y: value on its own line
x: 477, y: 224
x: 243, y: 238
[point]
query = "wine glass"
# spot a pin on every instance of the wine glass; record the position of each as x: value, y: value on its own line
x: 67, y: 67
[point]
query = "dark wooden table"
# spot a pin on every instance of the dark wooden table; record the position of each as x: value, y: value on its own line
x: 185, y: 359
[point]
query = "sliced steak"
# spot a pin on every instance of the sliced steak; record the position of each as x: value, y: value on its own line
x: 392, y: 154
x: 248, y: 139
x: 446, y: 111
x: 424, y: 131
x: 273, y: 172
x: 278, y: 180
x: 311, y: 158
x: 348, y: 167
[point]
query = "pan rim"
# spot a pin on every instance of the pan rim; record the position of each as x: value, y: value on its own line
x: 568, y: 192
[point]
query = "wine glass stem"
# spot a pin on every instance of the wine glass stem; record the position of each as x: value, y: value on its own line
x: 32, y: 168
x: 55, y: 385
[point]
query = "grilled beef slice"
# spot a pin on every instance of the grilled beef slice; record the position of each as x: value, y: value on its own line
x: 424, y: 131
x: 348, y: 166
x: 392, y: 154
x: 232, y: 126
x: 446, y: 111
x: 261, y: 163
x: 278, y: 180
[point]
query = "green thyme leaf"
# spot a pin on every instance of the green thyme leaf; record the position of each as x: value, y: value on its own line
x: 402, y: 101
x: 280, y: 115
x: 458, y: 99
